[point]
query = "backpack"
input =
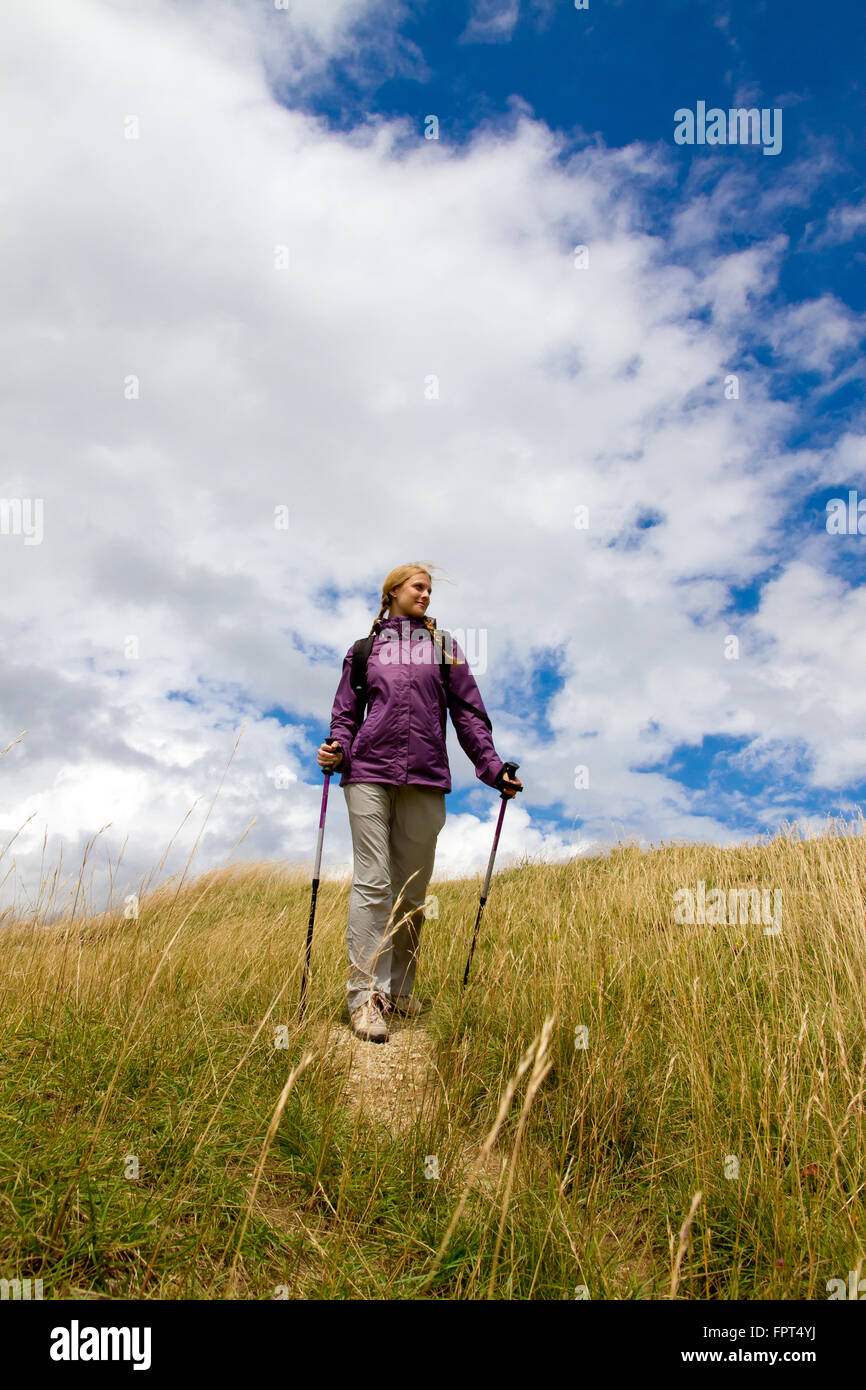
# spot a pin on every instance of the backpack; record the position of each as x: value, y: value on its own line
x: 360, y: 655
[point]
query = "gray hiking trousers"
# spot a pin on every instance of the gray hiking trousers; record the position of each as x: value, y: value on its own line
x: 394, y: 833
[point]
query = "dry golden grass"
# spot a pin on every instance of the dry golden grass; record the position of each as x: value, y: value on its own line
x: 706, y: 1142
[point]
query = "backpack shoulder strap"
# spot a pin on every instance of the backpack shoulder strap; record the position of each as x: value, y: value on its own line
x: 446, y: 665
x: 450, y: 692
x: 360, y: 654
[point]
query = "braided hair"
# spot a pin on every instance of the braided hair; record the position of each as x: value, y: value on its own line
x: 393, y: 580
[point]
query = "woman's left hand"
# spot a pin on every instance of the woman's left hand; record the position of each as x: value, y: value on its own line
x: 510, y: 785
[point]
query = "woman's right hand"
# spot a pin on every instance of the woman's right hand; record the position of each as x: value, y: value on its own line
x: 330, y: 756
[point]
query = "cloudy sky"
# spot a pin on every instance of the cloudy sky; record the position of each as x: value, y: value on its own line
x: 248, y: 278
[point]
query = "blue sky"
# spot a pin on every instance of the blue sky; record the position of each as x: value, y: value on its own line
x: 265, y: 261
x: 620, y: 70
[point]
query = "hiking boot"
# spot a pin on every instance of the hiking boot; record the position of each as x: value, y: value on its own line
x: 368, y: 1023
x: 404, y: 1005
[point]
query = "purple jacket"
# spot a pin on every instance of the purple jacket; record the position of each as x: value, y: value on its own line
x: 402, y: 739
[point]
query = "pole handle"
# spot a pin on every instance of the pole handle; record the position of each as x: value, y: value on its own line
x: 329, y: 743
x: 511, y: 771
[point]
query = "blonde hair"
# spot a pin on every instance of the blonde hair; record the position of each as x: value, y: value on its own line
x: 393, y: 579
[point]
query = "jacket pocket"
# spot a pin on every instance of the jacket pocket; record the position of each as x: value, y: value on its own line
x: 366, y: 733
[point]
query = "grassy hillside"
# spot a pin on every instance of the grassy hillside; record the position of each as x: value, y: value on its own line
x: 277, y: 1160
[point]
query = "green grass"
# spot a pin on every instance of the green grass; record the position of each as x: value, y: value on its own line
x: 153, y: 1040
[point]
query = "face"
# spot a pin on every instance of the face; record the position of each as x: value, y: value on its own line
x: 410, y: 600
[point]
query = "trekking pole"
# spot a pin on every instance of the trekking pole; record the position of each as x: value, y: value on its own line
x: 511, y: 771
x: 327, y: 771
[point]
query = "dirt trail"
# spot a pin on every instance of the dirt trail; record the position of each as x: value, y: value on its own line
x: 388, y: 1081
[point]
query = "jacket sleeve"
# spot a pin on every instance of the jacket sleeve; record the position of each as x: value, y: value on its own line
x: 473, y: 734
x: 344, y: 719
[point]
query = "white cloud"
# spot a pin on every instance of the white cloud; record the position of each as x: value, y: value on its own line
x: 844, y: 222
x: 815, y: 667
x: 154, y: 258
x: 813, y: 333
x: 491, y: 21
x: 296, y: 40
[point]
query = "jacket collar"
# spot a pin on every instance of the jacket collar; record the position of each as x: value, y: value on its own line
x: 398, y: 622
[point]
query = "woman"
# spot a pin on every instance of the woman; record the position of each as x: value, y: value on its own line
x: 395, y: 776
